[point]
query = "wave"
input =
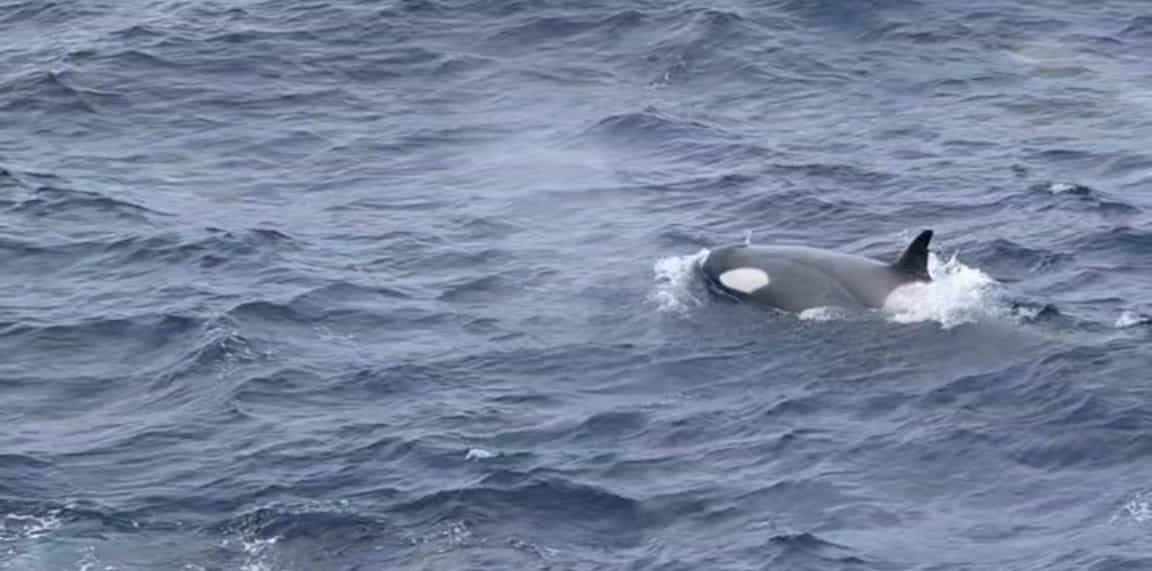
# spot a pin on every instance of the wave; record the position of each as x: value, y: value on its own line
x: 541, y: 32
x: 83, y: 207
x: 579, y: 513
x: 477, y: 289
x: 111, y: 251
x: 209, y: 248
x: 504, y: 510
x: 1008, y: 258
x: 652, y: 126
x: 838, y: 15
x: 132, y: 347
x: 1084, y: 451
x: 1139, y: 27
x: 807, y: 550
x: 51, y: 91
x: 43, y: 12
x: 289, y: 535
x: 1123, y: 240
x: 698, y: 44
x: 318, y: 309
x: 840, y: 173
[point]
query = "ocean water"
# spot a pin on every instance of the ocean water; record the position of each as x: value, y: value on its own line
x: 351, y: 285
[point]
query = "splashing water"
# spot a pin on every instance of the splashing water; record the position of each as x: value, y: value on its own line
x: 260, y: 554
x: 89, y: 562
x: 19, y: 526
x: 456, y: 535
x: 478, y: 454
x: 1138, y: 509
x: 22, y: 536
x: 958, y: 294
x: 676, y: 287
x: 824, y: 314
x: 1131, y: 319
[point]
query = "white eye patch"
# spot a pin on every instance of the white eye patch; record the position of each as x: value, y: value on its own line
x: 745, y: 280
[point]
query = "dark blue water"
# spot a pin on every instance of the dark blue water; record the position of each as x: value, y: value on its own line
x: 356, y: 285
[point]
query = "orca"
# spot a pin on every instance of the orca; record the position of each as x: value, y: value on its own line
x: 795, y: 278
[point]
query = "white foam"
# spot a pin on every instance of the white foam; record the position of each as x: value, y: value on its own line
x: 958, y: 294
x: 675, y: 277
x: 261, y: 554
x: 21, y: 526
x: 745, y: 280
x: 21, y: 543
x: 1131, y: 319
x: 823, y: 313
x: 1138, y: 509
x: 478, y: 454
x: 455, y: 535
x: 89, y: 562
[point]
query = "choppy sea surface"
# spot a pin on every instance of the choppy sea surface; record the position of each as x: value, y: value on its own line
x: 350, y: 285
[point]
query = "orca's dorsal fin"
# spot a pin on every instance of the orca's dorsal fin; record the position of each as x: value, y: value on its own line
x: 914, y: 260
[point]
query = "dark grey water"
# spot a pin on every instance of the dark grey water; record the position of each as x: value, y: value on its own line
x: 408, y: 285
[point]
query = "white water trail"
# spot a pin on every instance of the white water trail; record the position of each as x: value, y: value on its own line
x: 957, y: 294
x: 676, y: 290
